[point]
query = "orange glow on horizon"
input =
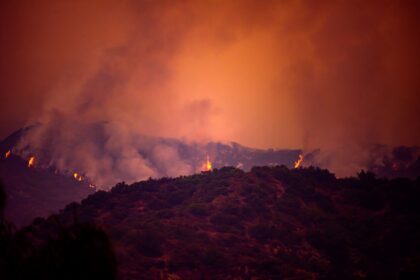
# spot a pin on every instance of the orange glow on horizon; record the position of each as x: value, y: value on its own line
x: 264, y: 74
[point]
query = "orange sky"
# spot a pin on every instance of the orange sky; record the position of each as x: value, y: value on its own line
x: 335, y: 74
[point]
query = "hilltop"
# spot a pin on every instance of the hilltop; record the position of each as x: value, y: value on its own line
x: 269, y: 223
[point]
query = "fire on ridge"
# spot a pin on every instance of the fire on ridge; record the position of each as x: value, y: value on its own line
x: 298, y: 163
x: 31, y: 162
x: 207, y: 166
x: 77, y: 176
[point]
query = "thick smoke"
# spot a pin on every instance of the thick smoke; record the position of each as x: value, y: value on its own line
x: 337, y: 76
x: 105, y: 153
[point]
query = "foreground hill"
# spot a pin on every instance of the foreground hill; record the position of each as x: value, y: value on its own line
x: 269, y: 223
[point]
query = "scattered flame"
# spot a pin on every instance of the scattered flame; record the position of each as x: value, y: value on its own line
x: 7, y: 154
x: 77, y: 176
x: 299, y: 161
x: 207, y: 165
x: 31, y: 162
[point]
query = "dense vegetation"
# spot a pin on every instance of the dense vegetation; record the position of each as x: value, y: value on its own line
x: 269, y: 223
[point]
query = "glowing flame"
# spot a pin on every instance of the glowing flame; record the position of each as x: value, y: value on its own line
x: 31, y: 162
x: 299, y: 161
x: 207, y: 165
x: 7, y: 154
x: 77, y: 176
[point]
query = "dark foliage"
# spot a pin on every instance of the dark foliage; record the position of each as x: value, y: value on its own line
x: 270, y: 223
x: 50, y: 250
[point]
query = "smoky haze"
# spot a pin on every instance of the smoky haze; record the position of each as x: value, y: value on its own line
x: 339, y: 76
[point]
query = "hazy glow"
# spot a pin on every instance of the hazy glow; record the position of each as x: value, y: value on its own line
x: 335, y: 75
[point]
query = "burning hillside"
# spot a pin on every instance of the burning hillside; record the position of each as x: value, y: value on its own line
x: 37, y: 192
x: 221, y: 124
x: 106, y: 155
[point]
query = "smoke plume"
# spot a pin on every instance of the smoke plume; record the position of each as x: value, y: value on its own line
x: 338, y: 76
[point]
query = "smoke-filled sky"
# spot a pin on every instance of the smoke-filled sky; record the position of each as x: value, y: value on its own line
x: 335, y: 75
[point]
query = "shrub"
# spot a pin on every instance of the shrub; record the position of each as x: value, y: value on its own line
x: 262, y: 233
x: 199, y: 209
x: 149, y: 243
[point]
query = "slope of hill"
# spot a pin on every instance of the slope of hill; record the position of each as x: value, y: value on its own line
x: 34, y: 192
x: 269, y: 223
x: 47, y: 188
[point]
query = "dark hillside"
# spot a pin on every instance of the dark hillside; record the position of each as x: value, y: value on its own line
x: 37, y: 192
x: 269, y: 223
